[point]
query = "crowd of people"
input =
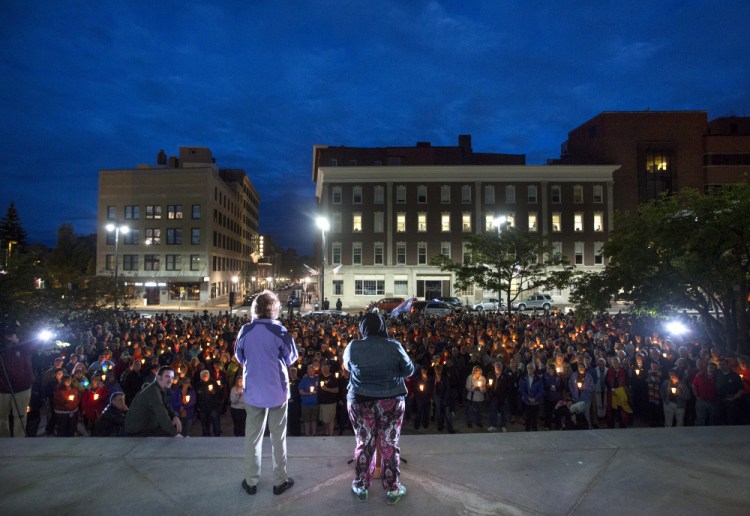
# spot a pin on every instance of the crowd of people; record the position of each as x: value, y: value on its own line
x: 534, y: 369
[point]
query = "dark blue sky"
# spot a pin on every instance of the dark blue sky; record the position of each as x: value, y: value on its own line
x: 90, y: 85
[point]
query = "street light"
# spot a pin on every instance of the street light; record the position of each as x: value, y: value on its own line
x: 324, y: 226
x: 498, y: 222
x: 117, y: 228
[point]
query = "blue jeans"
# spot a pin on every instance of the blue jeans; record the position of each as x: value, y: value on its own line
x: 474, y: 412
x: 498, y: 407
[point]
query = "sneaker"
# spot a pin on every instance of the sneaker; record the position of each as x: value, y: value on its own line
x: 360, y: 493
x: 491, y: 428
x: 395, y: 496
x: 277, y: 490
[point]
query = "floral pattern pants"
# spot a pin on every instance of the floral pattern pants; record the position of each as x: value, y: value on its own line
x: 377, y: 425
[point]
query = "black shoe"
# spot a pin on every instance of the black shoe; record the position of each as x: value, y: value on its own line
x: 277, y: 490
x: 251, y: 490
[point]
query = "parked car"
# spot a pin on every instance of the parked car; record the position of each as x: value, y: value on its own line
x: 453, y: 301
x: 488, y: 304
x: 387, y: 304
x: 438, y: 308
x: 417, y: 307
x: 543, y: 301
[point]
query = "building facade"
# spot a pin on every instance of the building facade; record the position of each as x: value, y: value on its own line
x: 662, y: 151
x: 192, y: 228
x: 388, y: 217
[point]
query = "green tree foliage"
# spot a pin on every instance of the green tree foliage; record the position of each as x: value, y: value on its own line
x: 510, y: 263
x: 688, y: 251
x: 72, y: 261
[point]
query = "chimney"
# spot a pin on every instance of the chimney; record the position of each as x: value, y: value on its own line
x: 464, y: 141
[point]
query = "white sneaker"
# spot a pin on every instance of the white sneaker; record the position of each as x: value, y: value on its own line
x: 491, y: 428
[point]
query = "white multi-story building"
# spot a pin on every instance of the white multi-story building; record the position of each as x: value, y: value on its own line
x: 388, y: 221
x: 191, y: 228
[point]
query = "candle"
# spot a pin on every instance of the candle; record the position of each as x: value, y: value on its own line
x: 187, y: 398
x: 421, y: 387
x: 72, y: 397
x: 312, y: 388
x: 336, y: 374
x: 674, y: 390
x: 579, y: 384
x: 104, y: 377
x: 96, y: 396
x: 211, y: 388
x: 218, y: 382
x: 322, y: 383
x: 336, y: 358
x: 143, y: 361
x: 558, y: 369
x: 664, y: 354
x: 637, y: 372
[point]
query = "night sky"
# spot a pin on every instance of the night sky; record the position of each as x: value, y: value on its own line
x: 90, y: 85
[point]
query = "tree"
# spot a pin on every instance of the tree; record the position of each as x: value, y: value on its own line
x: 686, y: 251
x: 71, y: 262
x: 12, y: 235
x: 513, y: 262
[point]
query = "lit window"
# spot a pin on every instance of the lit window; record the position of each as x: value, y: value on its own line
x: 510, y: 220
x: 153, y: 211
x: 578, y: 222
x: 466, y: 222
x: 445, y: 222
x: 598, y: 221
x: 174, y: 211
x: 401, y: 222
x: 532, y: 222
x: 153, y: 236
x: 489, y: 222
x: 357, y: 222
x: 556, y: 222
x: 422, y: 222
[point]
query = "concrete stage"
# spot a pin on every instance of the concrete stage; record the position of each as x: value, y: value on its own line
x: 634, y: 471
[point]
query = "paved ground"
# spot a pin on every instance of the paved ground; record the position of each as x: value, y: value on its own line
x: 634, y: 471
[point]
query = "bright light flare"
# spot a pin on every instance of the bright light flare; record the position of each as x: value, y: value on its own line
x: 45, y: 335
x: 676, y: 328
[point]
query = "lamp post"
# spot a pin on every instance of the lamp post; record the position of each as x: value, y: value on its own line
x: 499, y: 222
x: 117, y: 228
x: 323, y: 224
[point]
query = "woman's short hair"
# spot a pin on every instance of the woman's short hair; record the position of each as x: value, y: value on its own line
x: 266, y: 306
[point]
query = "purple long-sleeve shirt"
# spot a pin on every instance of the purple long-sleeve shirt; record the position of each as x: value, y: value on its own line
x: 265, y: 349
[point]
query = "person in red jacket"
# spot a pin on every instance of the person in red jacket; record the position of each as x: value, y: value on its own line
x: 617, y: 382
x: 67, y: 400
x: 94, y: 401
